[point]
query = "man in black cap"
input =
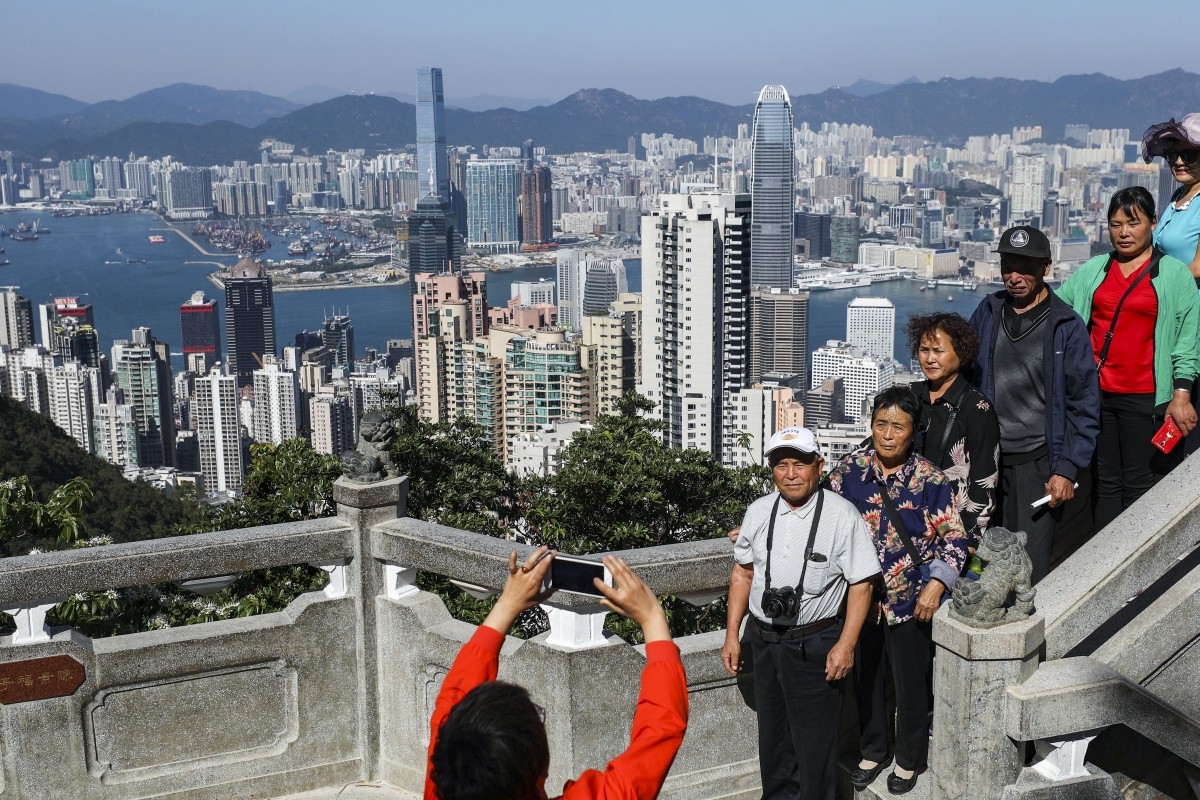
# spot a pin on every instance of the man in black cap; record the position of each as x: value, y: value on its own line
x: 1037, y: 366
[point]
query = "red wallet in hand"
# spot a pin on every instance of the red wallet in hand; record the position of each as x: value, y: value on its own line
x: 1168, y: 436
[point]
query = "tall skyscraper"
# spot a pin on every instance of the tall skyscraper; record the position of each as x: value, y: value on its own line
x: 695, y: 340
x: 16, y: 318
x: 773, y: 190
x: 75, y: 340
x: 185, y: 193
x: 537, y: 206
x: 276, y: 404
x: 201, y: 332
x: 779, y: 327
x: 77, y: 178
x: 249, y: 319
x: 143, y: 373
x: 431, y: 131
x: 604, y: 281
x: 815, y: 229
x: 571, y: 280
x: 1028, y: 184
x: 329, y: 417
x: 434, y: 243
x: 338, y: 335
x: 871, y: 325
x: 843, y: 236
x: 115, y: 430
x: 69, y: 390
x: 448, y: 310
x: 544, y: 381
x: 492, y: 193
x: 220, y: 433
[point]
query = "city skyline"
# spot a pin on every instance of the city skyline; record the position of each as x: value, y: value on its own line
x: 482, y: 61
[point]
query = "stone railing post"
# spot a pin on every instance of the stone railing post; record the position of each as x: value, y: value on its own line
x: 362, y: 506
x: 971, y: 757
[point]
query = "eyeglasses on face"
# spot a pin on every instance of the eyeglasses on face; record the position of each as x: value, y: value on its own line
x: 1188, y: 157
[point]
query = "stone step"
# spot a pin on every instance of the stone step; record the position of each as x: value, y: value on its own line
x: 354, y: 791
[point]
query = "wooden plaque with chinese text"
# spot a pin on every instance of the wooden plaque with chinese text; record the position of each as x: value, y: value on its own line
x: 39, y: 678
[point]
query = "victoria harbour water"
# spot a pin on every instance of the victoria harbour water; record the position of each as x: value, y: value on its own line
x: 85, y: 256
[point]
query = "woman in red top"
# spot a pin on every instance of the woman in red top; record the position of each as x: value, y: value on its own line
x: 489, y: 739
x: 1144, y: 342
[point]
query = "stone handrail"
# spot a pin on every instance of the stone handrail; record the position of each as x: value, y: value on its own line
x: 1074, y: 696
x: 697, y: 571
x: 58, y: 574
x: 1121, y: 560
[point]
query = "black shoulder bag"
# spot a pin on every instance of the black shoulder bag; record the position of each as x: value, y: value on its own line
x: 1108, y: 337
x: 913, y: 553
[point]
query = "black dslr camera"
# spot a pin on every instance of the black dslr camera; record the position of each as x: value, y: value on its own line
x: 780, y: 602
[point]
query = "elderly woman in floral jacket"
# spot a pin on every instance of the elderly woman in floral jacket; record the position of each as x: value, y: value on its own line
x: 909, y: 507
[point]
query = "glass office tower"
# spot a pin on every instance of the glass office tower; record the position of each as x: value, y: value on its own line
x: 771, y: 229
x: 492, y: 192
x: 431, y: 132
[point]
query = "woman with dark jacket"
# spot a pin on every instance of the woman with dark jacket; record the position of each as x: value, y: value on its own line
x: 957, y: 428
x: 1141, y: 309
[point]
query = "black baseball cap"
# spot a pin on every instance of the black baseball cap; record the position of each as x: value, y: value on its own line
x: 1024, y: 240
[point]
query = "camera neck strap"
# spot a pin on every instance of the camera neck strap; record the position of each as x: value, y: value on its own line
x: 808, y: 548
x: 898, y: 523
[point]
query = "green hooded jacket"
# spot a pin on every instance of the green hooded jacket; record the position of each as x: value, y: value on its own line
x: 1175, y: 353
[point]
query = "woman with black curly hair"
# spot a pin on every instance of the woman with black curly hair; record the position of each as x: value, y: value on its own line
x: 957, y: 429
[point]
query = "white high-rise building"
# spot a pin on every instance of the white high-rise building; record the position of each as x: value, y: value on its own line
x: 532, y: 293
x: 115, y: 430
x: 696, y: 313
x: 758, y: 412
x: 69, y: 387
x: 871, y: 325
x: 276, y: 403
x: 571, y: 280
x: 863, y: 375
x: 219, y: 432
x: 25, y: 372
x: 1028, y: 183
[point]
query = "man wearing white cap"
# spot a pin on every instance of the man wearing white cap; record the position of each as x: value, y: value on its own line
x: 804, y: 565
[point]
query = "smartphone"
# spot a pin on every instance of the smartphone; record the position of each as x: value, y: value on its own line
x: 1168, y: 436
x: 569, y: 574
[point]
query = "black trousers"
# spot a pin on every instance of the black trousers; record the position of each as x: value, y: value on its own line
x: 905, y: 654
x: 799, y: 714
x: 1124, y: 456
x: 1021, y: 485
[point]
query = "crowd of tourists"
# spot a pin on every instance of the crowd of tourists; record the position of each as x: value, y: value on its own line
x: 843, y: 567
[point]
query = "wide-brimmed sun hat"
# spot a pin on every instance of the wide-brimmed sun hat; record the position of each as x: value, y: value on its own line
x: 1157, y: 138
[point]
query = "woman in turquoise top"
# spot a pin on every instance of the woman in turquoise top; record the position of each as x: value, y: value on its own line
x: 1178, y: 232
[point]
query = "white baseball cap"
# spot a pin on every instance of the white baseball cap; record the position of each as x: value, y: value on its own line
x: 796, y: 438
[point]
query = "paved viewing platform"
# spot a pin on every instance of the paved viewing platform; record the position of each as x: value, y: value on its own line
x: 331, y: 697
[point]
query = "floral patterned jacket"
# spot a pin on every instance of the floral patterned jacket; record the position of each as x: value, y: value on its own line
x: 924, y: 497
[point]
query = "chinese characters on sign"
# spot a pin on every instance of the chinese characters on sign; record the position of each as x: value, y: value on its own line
x: 39, y: 678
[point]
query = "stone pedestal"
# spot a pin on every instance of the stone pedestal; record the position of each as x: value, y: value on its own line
x: 362, y: 506
x: 971, y: 757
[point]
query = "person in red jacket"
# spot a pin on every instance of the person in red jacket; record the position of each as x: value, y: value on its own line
x: 488, y: 737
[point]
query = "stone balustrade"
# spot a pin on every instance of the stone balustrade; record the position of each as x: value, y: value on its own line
x: 340, y: 685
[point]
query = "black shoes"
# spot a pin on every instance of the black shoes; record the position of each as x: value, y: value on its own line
x: 898, y: 785
x: 862, y: 778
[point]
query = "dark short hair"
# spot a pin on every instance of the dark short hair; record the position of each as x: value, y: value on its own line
x: 492, y: 746
x: 960, y: 333
x: 1135, y: 201
x: 900, y: 397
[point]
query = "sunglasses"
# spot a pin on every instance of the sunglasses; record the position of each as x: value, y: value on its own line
x: 1188, y: 157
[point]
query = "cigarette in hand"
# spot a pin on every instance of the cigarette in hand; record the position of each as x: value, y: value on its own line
x: 1044, y: 500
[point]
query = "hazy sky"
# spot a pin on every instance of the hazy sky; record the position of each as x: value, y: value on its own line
x: 537, y: 48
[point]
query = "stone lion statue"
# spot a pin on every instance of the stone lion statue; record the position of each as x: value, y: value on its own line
x: 1007, y: 572
x: 372, y: 460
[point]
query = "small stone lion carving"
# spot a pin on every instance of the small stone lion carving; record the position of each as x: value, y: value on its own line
x: 372, y: 460
x: 1007, y: 572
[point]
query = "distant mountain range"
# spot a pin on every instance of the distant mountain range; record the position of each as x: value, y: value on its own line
x: 866, y: 88
x: 202, y: 125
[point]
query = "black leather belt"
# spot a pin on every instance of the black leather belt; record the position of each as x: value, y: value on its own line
x: 786, y: 633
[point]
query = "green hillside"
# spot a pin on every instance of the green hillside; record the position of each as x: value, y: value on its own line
x: 32, y: 445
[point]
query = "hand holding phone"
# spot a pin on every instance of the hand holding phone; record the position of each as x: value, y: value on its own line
x: 1167, y: 436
